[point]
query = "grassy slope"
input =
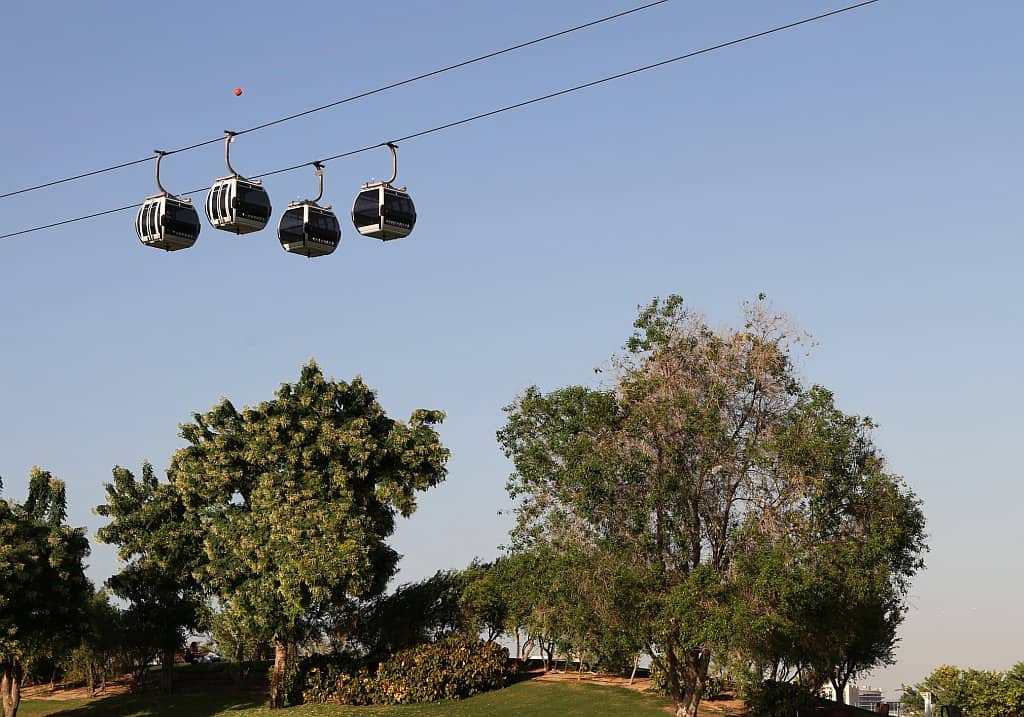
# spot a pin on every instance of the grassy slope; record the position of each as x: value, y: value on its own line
x: 525, y: 699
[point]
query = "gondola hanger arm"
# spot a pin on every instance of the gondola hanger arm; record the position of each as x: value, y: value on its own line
x: 394, y: 162
x: 229, y: 137
x: 160, y: 155
x: 319, y: 168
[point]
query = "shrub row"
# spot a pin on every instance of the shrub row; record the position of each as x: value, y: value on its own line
x: 452, y: 668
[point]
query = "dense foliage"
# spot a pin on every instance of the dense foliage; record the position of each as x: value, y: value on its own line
x: 979, y: 693
x: 707, y: 489
x: 454, y: 667
x: 161, y: 552
x: 777, y: 699
x: 292, y: 501
x: 44, y: 594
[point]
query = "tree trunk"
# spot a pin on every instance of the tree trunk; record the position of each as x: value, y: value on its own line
x: 840, y: 687
x: 636, y: 663
x: 167, y: 671
x: 92, y: 678
x: 694, y: 671
x: 519, y: 652
x: 10, y: 690
x: 277, y: 678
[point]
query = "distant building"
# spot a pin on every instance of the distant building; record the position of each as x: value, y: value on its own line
x: 866, y: 698
x: 894, y: 708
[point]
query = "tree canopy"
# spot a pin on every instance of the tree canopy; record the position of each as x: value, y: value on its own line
x: 705, y: 458
x: 149, y: 527
x: 44, y: 594
x: 292, y: 500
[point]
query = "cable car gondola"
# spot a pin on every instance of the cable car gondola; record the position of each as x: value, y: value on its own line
x: 166, y: 221
x: 308, y: 229
x: 236, y: 204
x: 382, y: 211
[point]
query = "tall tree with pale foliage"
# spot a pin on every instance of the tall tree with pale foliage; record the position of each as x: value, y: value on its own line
x: 293, y: 500
x: 665, y: 480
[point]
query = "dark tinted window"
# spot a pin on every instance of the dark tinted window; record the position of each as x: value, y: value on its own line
x: 252, y: 203
x: 399, y: 209
x: 323, y: 227
x: 181, y: 219
x: 366, y: 211
x: 290, y: 229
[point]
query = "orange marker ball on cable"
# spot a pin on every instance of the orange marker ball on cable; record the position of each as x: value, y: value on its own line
x: 238, y: 91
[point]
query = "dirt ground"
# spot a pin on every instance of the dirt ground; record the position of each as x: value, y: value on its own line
x: 716, y: 708
x: 43, y: 692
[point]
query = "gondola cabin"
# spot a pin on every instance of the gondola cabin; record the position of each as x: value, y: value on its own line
x: 238, y: 205
x: 383, y: 212
x: 166, y: 222
x: 308, y: 229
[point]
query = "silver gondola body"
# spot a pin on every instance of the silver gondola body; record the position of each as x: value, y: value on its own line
x: 308, y: 229
x: 166, y: 222
x: 383, y: 212
x: 239, y: 205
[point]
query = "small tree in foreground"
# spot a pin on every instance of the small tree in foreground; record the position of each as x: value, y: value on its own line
x: 292, y: 501
x: 161, y: 551
x: 44, y: 594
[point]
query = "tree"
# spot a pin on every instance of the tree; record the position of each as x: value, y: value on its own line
x: 413, y: 614
x: 835, y: 574
x: 43, y: 589
x: 483, y: 603
x: 101, y: 650
x: 700, y: 454
x: 292, y: 500
x: 979, y: 693
x: 148, y: 526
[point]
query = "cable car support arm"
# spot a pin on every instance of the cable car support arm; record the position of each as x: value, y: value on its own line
x: 160, y: 155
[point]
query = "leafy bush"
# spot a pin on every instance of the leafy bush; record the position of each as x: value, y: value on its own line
x: 713, y: 687
x: 777, y: 699
x: 314, y: 678
x: 451, y: 668
x: 454, y: 667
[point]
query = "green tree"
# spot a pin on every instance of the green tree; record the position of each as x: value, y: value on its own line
x: 101, y: 649
x: 979, y: 693
x: 293, y: 499
x: 835, y: 573
x: 413, y: 614
x: 483, y: 603
x: 161, y: 551
x: 665, y: 482
x: 541, y: 599
x: 44, y: 593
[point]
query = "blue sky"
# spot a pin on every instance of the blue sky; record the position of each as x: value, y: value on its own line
x: 864, y: 172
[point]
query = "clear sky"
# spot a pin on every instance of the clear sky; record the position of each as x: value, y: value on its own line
x: 864, y: 172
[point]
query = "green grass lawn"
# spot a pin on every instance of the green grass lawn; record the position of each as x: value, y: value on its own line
x: 530, y: 698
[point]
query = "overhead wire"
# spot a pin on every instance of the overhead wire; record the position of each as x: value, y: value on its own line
x: 352, y: 98
x: 491, y: 113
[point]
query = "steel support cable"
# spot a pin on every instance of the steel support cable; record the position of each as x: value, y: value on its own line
x: 353, y: 98
x: 491, y: 113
